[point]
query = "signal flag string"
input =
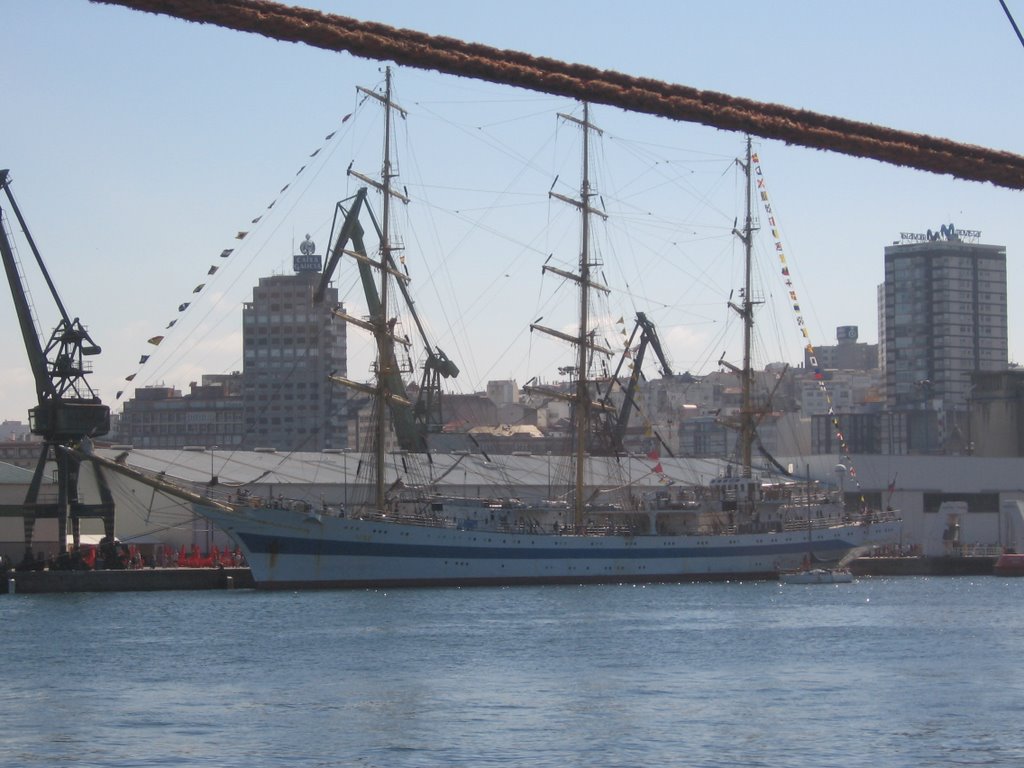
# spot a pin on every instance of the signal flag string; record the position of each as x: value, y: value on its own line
x: 819, y: 375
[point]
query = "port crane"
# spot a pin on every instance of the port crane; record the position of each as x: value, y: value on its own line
x: 67, y: 411
x: 412, y: 421
x: 611, y: 436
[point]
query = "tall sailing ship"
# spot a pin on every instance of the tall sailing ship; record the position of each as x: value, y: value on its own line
x: 740, y: 526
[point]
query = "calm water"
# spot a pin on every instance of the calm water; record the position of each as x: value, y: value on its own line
x: 887, y: 672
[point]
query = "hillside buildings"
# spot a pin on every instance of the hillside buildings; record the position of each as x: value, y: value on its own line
x: 937, y: 377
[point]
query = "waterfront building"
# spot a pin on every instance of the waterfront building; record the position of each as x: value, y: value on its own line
x: 162, y: 417
x: 21, y: 452
x: 997, y: 413
x: 18, y: 446
x: 14, y: 430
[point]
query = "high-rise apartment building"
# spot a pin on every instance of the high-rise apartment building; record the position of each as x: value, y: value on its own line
x: 944, y: 317
x: 291, y: 345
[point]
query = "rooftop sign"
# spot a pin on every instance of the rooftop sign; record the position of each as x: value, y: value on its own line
x: 307, y: 262
x: 946, y: 232
x: 307, y: 259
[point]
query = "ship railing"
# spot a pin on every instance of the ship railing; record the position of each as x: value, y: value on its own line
x: 845, y: 519
x: 425, y: 521
x: 270, y: 502
x: 404, y: 518
x: 802, y: 524
x: 977, y: 550
x: 599, y: 530
x: 992, y: 551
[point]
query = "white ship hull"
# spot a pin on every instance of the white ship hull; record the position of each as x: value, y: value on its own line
x: 289, y: 549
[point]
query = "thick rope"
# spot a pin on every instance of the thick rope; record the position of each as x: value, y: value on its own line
x: 577, y: 81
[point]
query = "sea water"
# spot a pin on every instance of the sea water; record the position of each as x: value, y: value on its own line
x: 881, y: 672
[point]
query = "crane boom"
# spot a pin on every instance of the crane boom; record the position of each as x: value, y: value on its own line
x: 411, y: 425
x: 36, y: 359
x: 409, y: 437
x: 617, y: 426
x: 67, y: 410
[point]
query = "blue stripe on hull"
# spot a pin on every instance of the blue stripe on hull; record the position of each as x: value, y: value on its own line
x: 273, y: 546
x: 516, y: 581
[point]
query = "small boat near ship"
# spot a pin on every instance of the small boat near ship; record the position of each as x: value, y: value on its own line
x: 739, y: 527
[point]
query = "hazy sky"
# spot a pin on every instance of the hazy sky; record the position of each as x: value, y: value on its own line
x: 140, y: 145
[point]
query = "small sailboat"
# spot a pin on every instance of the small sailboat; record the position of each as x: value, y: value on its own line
x: 808, y: 573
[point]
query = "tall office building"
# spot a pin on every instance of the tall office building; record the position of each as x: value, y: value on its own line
x: 944, y: 317
x: 291, y: 345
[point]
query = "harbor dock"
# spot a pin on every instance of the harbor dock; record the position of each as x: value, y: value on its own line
x: 938, y: 565
x: 165, y: 579
x: 138, y: 580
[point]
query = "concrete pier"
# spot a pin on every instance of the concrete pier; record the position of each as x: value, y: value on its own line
x: 923, y: 566
x: 143, y: 580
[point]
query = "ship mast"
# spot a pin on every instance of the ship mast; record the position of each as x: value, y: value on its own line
x: 747, y: 432
x: 385, y: 259
x: 584, y: 341
x: 382, y: 328
x: 582, y: 424
x: 746, y: 311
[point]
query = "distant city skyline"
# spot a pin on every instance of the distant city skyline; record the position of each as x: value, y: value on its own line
x: 136, y: 166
